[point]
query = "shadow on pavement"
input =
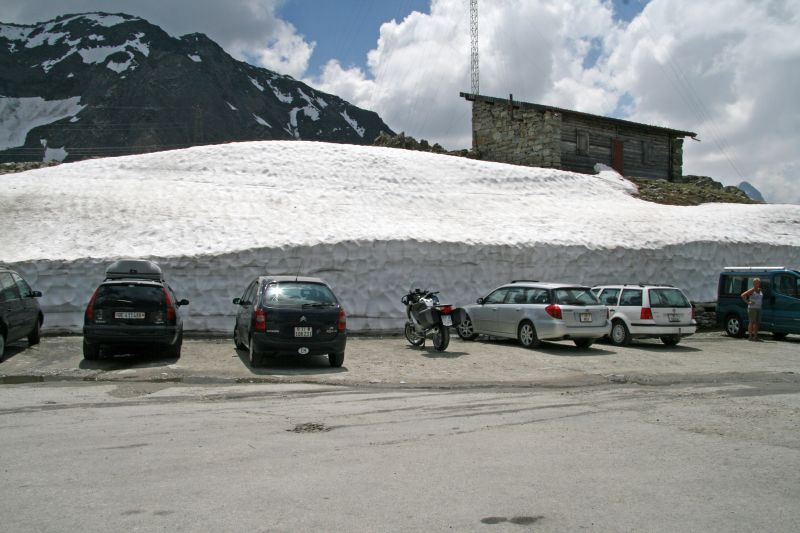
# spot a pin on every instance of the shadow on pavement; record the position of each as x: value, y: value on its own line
x: 431, y: 352
x: 121, y: 360
x: 291, y: 365
x: 561, y: 348
x: 14, y: 349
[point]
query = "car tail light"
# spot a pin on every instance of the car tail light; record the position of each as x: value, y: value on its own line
x: 261, y: 320
x: 554, y: 311
x: 90, y: 307
x: 342, y: 324
x: 694, y: 313
x: 170, y: 309
x: 445, y: 309
x: 646, y: 314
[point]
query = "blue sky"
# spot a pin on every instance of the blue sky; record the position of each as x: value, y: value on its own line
x: 347, y: 29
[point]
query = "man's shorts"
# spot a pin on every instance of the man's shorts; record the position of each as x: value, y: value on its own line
x: 754, y: 315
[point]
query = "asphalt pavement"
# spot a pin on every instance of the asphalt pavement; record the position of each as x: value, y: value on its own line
x: 707, y: 357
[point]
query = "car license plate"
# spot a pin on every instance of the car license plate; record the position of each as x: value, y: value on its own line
x: 302, y: 332
x: 447, y: 320
x: 586, y: 317
x: 129, y: 315
x: 674, y: 317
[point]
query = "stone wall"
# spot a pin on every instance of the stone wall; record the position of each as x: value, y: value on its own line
x: 509, y: 133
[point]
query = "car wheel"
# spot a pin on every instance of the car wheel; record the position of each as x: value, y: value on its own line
x: 2, y: 345
x: 671, y: 340
x: 91, y: 352
x: 175, y: 350
x: 466, y: 330
x: 583, y: 343
x: 779, y: 334
x: 237, y: 341
x: 35, y: 335
x: 441, y: 338
x: 526, y: 334
x: 733, y: 326
x: 336, y: 359
x: 620, y: 336
x: 255, y: 356
x: 412, y: 336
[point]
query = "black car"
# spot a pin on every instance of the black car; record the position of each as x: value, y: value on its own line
x: 284, y: 315
x: 133, y: 308
x: 20, y: 315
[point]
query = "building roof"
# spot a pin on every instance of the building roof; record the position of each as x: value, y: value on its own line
x: 539, y: 107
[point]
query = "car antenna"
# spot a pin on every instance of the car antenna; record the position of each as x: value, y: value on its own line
x: 299, y: 268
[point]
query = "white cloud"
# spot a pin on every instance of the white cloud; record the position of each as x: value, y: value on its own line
x: 728, y: 70
x: 247, y: 29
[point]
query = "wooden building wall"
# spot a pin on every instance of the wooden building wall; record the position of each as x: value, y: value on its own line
x: 646, y: 154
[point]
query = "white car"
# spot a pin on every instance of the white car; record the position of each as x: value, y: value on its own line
x: 532, y: 312
x: 647, y: 311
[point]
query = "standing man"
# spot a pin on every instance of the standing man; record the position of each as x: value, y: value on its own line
x: 754, y: 298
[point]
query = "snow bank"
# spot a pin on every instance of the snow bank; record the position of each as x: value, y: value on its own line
x: 369, y: 220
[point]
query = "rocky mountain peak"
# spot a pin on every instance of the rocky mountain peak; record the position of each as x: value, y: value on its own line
x: 96, y: 84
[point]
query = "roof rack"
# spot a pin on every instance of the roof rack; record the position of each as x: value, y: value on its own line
x: 524, y: 281
x: 757, y: 268
x: 134, y: 269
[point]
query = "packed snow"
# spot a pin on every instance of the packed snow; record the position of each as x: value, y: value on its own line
x: 372, y: 221
x: 18, y: 116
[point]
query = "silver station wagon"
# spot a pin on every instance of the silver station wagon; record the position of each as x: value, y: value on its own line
x: 533, y: 312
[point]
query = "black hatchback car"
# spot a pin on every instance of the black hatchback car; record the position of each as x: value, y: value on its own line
x: 133, y: 308
x: 284, y: 315
x: 20, y: 315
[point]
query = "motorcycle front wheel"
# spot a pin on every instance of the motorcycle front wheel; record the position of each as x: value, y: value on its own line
x: 441, y: 338
x: 412, y: 336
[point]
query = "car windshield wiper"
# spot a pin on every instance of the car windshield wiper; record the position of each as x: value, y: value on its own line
x: 318, y: 305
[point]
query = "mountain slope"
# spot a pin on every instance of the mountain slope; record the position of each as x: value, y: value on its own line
x: 98, y: 84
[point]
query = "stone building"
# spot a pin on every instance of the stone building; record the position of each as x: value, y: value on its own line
x: 523, y: 133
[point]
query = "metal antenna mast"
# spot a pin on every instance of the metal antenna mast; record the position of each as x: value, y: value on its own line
x: 473, y: 28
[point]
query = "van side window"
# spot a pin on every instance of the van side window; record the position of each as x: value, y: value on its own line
x: 788, y: 285
x: 735, y: 285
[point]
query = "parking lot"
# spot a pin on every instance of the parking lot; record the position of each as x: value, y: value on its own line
x: 391, y: 361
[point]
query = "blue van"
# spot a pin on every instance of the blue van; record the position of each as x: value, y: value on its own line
x: 781, y: 307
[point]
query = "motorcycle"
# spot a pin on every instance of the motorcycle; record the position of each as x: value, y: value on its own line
x: 427, y: 317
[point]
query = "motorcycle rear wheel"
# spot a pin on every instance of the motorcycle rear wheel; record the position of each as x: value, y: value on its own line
x: 412, y: 336
x: 441, y: 338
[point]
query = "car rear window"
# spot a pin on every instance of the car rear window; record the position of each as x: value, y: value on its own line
x: 575, y: 296
x: 297, y: 294
x: 130, y: 295
x: 668, y: 298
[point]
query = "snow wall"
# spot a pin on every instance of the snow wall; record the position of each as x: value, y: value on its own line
x: 370, y: 277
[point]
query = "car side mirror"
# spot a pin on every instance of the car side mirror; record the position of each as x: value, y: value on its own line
x: 236, y: 301
x: 36, y: 294
x: 479, y: 301
x: 183, y: 302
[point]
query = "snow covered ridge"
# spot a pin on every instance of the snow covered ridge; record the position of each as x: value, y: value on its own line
x: 369, y: 220
x: 89, y: 48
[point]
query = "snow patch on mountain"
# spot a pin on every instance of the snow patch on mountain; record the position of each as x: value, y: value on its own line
x: 18, y: 116
x: 353, y: 123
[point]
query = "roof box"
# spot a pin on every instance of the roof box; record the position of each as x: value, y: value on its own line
x: 134, y: 269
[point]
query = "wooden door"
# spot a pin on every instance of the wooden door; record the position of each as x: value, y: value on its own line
x: 616, y: 156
